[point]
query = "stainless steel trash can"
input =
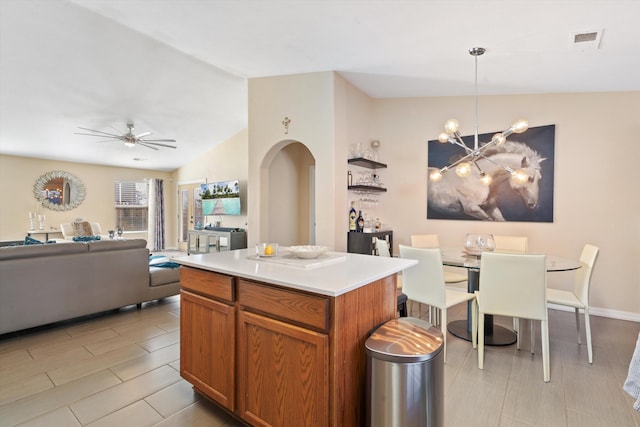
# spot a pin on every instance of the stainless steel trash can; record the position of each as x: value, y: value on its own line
x: 405, y: 370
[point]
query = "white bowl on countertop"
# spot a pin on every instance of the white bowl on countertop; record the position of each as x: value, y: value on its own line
x: 307, y: 251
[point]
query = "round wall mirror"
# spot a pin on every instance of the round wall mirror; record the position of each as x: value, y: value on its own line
x: 59, y: 190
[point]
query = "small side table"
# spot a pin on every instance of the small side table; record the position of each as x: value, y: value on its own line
x: 45, y: 232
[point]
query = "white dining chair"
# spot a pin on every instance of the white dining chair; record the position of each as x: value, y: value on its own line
x: 382, y: 247
x: 432, y: 241
x: 424, y: 283
x: 511, y: 244
x: 578, y: 298
x: 514, y: 285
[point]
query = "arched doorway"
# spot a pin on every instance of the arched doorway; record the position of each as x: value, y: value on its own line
x: 291, y: 195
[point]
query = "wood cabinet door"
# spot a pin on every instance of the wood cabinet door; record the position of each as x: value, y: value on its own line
x: 282, y: 373
x: 207, y: 347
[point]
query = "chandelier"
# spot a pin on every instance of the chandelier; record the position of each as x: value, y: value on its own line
x: 463, y: 166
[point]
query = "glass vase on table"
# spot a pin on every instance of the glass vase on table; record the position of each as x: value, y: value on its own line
x: 475, y: 244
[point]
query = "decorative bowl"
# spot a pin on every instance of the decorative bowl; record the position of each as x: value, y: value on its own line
x: 307, y: 251
x: 267, y: 249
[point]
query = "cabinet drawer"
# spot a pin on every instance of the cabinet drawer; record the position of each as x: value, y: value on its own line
x: 307, y: 310
x: 207, y: 283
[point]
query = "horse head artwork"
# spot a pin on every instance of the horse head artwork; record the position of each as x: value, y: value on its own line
x: 453, y: 194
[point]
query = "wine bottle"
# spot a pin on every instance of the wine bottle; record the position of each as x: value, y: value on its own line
x: 352, y: 218
x: 360, y: 223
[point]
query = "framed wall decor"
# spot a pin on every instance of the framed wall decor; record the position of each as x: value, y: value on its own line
x: 458, y: 198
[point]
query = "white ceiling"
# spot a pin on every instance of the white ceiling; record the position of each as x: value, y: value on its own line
x: 179, y: 68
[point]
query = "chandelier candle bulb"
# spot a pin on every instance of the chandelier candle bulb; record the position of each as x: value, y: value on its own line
x: 520, y: 126
x: 451, y: 126
x: 463, y: 169
x: 519, y: 176
x: 499, y: 139
x: 435, y: 176
x: 486, y: 179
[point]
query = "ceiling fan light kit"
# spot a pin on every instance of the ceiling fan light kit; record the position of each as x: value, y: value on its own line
x: 129, y: 138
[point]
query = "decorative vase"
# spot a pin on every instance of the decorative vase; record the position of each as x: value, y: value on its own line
x: 32, y: 221
x: 475, y: 244
x: 41, y: 219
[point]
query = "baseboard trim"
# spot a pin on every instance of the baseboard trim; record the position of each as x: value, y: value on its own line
x: 603, y: 312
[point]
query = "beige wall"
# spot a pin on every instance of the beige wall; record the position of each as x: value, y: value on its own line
x: 308, y: 100
x: 19, y: 175
x: 354, y: 124
x: 596, y: 195
x: 223, y: 162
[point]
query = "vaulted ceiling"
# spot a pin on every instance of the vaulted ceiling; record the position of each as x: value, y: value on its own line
x: 179, y: 68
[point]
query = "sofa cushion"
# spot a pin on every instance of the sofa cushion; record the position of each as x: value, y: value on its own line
x: 163, y: 276
x: 109, y: 245
x: 17, y: 252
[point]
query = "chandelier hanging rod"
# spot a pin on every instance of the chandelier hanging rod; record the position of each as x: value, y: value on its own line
x: 452, y: 135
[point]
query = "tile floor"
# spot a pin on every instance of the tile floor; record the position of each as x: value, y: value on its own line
x: 122, y: 369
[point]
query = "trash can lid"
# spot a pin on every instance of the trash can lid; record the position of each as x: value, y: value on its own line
x: 406, y: 340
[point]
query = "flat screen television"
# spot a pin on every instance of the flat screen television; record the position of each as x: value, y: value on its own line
x: 220, y: 198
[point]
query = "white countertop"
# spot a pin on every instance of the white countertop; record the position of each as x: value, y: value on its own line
x: 339, y: 273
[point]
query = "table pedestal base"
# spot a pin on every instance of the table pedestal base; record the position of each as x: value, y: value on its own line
x: 499, y: 336
x: 493, y: 334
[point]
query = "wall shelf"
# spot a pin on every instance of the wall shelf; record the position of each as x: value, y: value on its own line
x: 367, y: 163
x: 366, y: 189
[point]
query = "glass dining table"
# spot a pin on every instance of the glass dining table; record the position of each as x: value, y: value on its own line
x: 494, y: 334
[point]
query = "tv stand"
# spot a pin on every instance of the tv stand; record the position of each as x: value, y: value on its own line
x: 216, y: 239
x: 227, y: 229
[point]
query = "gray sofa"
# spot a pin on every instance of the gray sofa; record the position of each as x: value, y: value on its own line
x: 41, y: 284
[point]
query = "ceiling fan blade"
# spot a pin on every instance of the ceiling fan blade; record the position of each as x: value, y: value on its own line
x: 128, y: 138
x: 101, y: 136
x: 97, y: 131
x: 148, y: 146
x: 158, y: 140
x: 155, y: 143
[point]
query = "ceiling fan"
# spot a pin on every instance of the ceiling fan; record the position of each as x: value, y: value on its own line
x: 129, y: 138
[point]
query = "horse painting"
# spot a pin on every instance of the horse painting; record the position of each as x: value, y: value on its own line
x: 456, y: 195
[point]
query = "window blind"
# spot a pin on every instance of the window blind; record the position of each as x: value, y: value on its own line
x: 132, y: 205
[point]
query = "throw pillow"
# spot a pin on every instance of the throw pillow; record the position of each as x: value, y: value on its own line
x: 28, y: 240
x: 86, y: 238
x: 82, y: 228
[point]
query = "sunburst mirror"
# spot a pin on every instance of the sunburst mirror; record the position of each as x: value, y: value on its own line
x: 59, y: 190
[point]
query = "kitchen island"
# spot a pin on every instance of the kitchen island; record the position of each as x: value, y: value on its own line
x: 280, y: 341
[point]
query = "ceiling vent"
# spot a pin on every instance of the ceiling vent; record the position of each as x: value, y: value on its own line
x: 586, y: 40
